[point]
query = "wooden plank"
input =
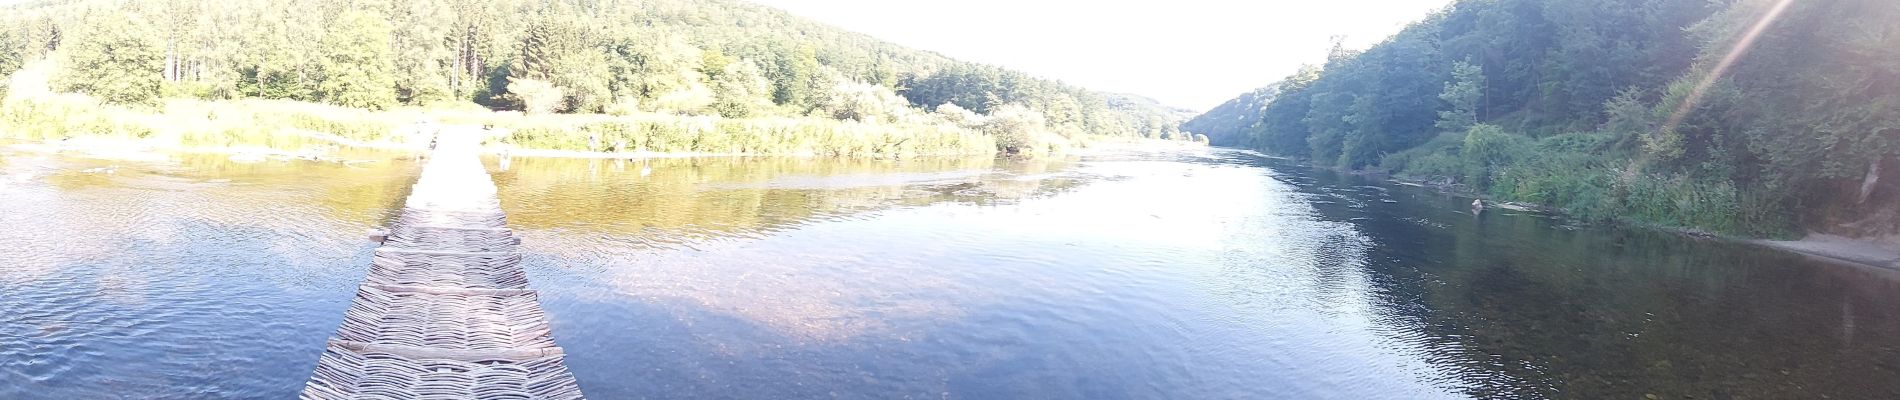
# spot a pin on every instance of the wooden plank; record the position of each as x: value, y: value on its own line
x: 388, y: 249
x: 450, y: 290
x: 423, y: 353
x: 458, y: 208
x: 457, y: 228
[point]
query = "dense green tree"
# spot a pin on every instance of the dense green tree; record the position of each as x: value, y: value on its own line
x: 537, y: 96
x: 647, y: 68
x: 1229, y: 123
x: 12, y: 57
x: 662, y: 57
x: 741, y: 90
x: 1629, y: 118
x: 979, y: 88
x: 357, y: 67
x: 423, y: 59
x: 1018, y: 129
x: 1659, y: 110
x: 1282, y: 127
x: 277, y: 54
x: 1461, y: 97
x: 796, y: 76
x: 115, y: 60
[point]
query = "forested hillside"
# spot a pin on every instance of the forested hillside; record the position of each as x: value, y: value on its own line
x: 1665, y: 111
x: 718, y: 59
x: 1228, y: 123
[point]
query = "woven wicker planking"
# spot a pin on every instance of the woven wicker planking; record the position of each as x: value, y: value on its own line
x: 445, y: 312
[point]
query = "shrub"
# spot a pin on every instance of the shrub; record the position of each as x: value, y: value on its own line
x: 537, y: 97
x: 1486, y: 149
x: 1018, y: 130
x: 288, y: 124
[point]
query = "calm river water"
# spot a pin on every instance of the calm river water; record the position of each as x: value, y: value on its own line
x: 1189, y: 275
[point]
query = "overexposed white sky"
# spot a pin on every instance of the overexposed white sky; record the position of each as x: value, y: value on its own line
x: 1187, y: 53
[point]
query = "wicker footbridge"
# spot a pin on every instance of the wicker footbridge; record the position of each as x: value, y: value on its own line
x: 445, y: 312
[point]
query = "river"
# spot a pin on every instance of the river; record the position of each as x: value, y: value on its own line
x: 1186, y: 274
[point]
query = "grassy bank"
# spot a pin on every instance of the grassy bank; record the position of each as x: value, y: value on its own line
x: 291, y: 125
x: 715, y: 135
x: 33, y: 109
x: 1581, y: 175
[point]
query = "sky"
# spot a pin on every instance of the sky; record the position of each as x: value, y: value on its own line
x: 1193, y: 54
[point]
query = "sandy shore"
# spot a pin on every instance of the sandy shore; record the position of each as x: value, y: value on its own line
x: 1841, y: 249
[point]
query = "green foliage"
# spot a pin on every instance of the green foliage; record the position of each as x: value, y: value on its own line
x: 1436, y: 160
x: 1474, y: 62
x: 558, y: 51
x: 776, y: 136
x: 12, y: 58
x: 1678, y: 200
x: 357, y: 66
x: 419, y: 44
x: 863, y: 102
x: 1282, y: 128
x: 741, y: 90
x: 278, y: 59
x: 1018, y: 130
x: 275, y: 124
x: 1461, y: 97
x: 537, y: 97
x: 1228, y: 123
x: 1629, y: 118
x: 114, y: 61
x: 1634, y: 122
x: 649, y: 68
x: 958, y: 116
x: 1487, y: 149
x: 1569, y: 172
x: 680, y: 59
x: 982, y: 88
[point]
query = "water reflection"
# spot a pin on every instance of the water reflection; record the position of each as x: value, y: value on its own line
x: 1164, y: 275
x: 1532, y: 306
x: 703, y: 198
x: 694, y: 230
x: 1104, y: 277
x: 168, y: 279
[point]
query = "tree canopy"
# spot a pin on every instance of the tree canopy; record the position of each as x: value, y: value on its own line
x: 358, y: 70
x: 1617, y: 108
x: 667, y: 56
x: 116, y: 62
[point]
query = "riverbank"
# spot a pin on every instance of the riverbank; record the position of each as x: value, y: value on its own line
x: 247, y: 126
x: 1168, y: 237
x: 309, y: 146
x: 33, y: 111
x: 280, y: 129
x: 1881, y: 253
x: 1099, y: 145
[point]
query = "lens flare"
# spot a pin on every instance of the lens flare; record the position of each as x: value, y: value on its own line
x: 1734, y: 53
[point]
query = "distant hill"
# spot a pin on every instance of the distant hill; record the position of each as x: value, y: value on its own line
x: 1227, y: 124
